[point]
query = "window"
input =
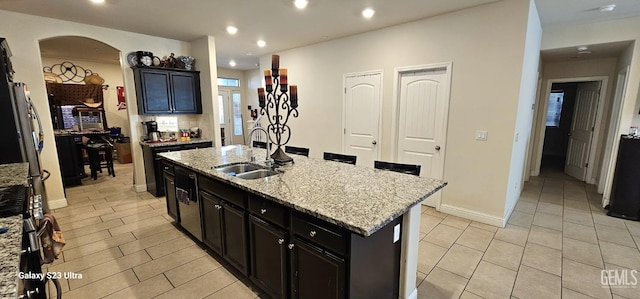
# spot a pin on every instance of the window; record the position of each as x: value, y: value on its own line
x: 237, y: 113
x: 554, y: 110
x: 228, y: 82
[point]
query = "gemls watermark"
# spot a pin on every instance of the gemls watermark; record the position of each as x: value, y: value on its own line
x: 619, y: 278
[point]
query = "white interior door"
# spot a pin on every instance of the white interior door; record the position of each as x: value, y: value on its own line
x: 421, y: 118
x: 362, y: 117
x: 224, y: 117
x: 582, y: 125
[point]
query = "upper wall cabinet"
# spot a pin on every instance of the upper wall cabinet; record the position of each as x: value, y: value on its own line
x: 167, y: 91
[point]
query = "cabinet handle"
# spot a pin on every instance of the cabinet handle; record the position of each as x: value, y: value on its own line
x: 312, y: 233
x: 172, y: 183
x: 291, y: 246
x: 262, y: 211
x: 218, y: 207
x: 280, y: 241
x: 166, y: 168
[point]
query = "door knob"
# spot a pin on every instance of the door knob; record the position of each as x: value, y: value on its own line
x: 437, y: 147
x: 374, y: 142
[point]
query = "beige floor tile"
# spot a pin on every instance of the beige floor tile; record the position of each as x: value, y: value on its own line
x: 580, y: 232
x: 513, y: 234
x: 582, y: 205
x: 105, y: 286
x: 73, y: 211
x: 615, y: 235
x: 236, y: 290
x: 443, y: 235
x: 96, y: 227
x: 150, y: 241
x: 134, y: 210
x: 428, y: 222
x: 159, y: 206
x: 460, y: 260
x: 191, y: 270
x: 578, y: 217
x: 534, y: 284
x: 429, y: 255
x: 620, y: 255
x: 551, y: 198
x: 475, y: 238
x: 82, y: 216
x: 526, y: 206
x: 149, y: 288
x: 469, y: 295
x: 623, y: 282
x: 492, y: 281
x: 420, y: 278
x: 86, y: 239
x: 548, y: 221
x: 571, y: 294
x: 504, y: 254
x: 545, y: 236
x: 168, y: 262
x: 442, y: 284
x: 150, y: 231
x: 143, y: 215
x: 608, y: 221
x: 202, y: 286
x: 583, y: 278
x: 637, y: 239
x: 549, y: 208
x: 103, y: 270
x: 484, y: 226
x: 456, y: 222
x: 79, y: 224
x: 520, y: 219
x: 633, y: 226
x: 582, y: 252
x: 432, y: 212
x: 543, y: 258
x: 87, y: 261
x: 529, y: 196
x: 175, y: 245
x: 157, y: 220
x: 97, y: 246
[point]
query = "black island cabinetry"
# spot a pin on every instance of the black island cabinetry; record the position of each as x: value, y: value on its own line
x: 288, y: 254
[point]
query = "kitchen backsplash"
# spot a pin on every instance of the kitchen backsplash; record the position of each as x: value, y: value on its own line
x: 186, y: 122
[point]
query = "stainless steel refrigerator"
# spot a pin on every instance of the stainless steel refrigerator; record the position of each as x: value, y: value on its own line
x: 20, y: 126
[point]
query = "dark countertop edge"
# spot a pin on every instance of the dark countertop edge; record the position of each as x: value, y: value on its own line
x: 177, y: 142
x: 357, y: 230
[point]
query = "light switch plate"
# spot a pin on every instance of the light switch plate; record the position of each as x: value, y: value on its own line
x: 481, y: 135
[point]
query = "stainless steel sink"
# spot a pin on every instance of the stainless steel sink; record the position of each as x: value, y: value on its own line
x: 257, y: 174
x: 238, y: 168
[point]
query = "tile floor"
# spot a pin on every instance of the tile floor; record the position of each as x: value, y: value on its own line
x: 555, y: 245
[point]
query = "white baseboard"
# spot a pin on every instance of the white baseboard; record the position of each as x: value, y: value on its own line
x: 57, y: 204
x: 141, y: 188
x: 473, y: 215
x: 413, y: 295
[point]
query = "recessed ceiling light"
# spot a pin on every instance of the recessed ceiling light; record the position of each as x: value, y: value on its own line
x: 368, y: 12
x: 606, y: 8
x: 97, y: 1
x: 301, y: 4
x: 232, y: 30
x: 232, y: 63
x: 261, y: 43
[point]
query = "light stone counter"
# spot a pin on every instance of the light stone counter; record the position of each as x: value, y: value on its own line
x: 176, y: 142
x: 14, y: 174
x: 358, y: 198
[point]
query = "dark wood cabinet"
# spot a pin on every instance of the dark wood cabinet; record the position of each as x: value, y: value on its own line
x: 167, y: 91
x: 625, y: 191
x: 153, y: 166
x: 315, y: 273
x: 268, y: 257
x: 172, y: 203
x: 235, y: 238
x: 70, y: 159
x: 212, y: 221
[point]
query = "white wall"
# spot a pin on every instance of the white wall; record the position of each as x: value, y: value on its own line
x: 204, y: 50
x: 486, y: 45
x: 112, y: 75
x: 23, y: 41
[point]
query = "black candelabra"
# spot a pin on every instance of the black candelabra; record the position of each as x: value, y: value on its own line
x: 278, y: 103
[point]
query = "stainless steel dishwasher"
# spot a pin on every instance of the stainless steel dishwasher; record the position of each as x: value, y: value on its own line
x: 187, y: 196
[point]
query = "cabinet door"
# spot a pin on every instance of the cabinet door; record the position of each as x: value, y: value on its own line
x: 268, y: 257
x: 235, y: 237
x: 155, y: 92
x: 315, y: 273
x: 186, y: 92
x: 172, y: 204
x: 212, y: 221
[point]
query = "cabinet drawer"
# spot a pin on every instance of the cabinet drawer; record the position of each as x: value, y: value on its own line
x: 230, y: 194
x: 167, y: 167
x: 268, y: 210
x: 319, y: 233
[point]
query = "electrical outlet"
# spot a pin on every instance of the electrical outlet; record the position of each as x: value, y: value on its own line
x: 481, y: 135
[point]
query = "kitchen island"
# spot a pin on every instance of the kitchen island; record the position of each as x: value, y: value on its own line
x: 350, y: 231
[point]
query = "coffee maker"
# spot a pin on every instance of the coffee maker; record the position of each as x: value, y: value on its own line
x: 151, y: 131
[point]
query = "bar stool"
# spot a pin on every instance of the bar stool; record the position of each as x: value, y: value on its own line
x: 260, y: 144
x: 100, y: 155
x: 349, y: 159
x: 303, y: 151
x: 412, y: 169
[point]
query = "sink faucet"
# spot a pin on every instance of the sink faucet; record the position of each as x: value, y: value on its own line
x: 267, y: 160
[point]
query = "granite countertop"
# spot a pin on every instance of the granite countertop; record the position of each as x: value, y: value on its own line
x: 15, y: 174
x: 358, y: 198
x: 177, y: 142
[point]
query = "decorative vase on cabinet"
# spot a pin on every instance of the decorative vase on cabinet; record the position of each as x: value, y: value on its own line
x: 167, y: 91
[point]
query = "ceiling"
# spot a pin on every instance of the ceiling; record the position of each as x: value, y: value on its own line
x: 277, y: 22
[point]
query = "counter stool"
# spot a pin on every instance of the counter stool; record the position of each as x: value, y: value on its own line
x: 100, y: 155
x: 349, y: 159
